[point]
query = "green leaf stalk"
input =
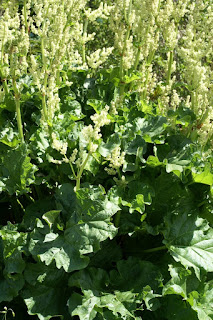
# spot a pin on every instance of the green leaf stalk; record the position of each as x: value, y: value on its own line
x: 18, y: 110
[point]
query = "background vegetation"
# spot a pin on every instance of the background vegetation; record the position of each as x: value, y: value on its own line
x: 106, y: 159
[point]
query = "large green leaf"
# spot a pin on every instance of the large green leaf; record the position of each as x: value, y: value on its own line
x: 8, y: 136
x: 135, y: 274
x: 137, y: 144
x: 101, y: 294
x: 120, y: 304
x: 113, y: 141
x: 152, y: 129
x: 205, y: 177
x: 51, y: 247
x: 176, y: 309
x: 46, y: 302
x: 122, y: 288
x: 10, y: 286
x: 17, y: 172
x: 89, y: 224
x: 177, y: 284
x: 170, y: 195
x: 36, y: 210
x: 84, y: 308
x: 14, y: 243
x: 136, y: 195
x: 202, y: 301
x: 190, y: 241
x: 109, y: 253
x: 66, y: 200
x: 46, y: 293
x: 94, y: 279
x: 11, y: 279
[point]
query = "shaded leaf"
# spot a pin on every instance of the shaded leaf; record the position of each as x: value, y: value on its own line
x: 46, y: 292
x: 10, y: 287
x: 17, y: 172
x: 190, y: 241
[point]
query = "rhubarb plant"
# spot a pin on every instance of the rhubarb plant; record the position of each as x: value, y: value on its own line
x: 106, y: 180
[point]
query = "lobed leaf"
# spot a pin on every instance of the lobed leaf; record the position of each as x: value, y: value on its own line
x: 190, y: 241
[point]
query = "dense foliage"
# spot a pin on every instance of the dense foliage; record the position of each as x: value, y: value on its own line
x: 106, y: 200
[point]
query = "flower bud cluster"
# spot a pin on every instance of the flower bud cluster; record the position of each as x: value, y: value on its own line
x: 59, y: 145
x: 14, y: 43
x: 52, y: 97
x: 175, y: 100
x: 195, y: 51
x: 77, y: 157
x: 117, y: 159
x: 102, y: 12
x: 91, y: 133
x: 73, y: 155
x: 98, y: 57
x: 47, y: 37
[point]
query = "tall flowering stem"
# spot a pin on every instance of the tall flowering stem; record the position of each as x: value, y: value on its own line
x: 4, y: 81
x: 25, y: 17
x: 123, y: 52
x: 44, y: 106
x: 78, y: 177
x: 84, y: 35
x: 125, y: 39
x: 137, y: 58
x: 148, y: 63
x: 18, y: 110
x: 171, y: 55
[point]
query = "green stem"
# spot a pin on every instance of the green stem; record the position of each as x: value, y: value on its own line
x: 29, y: 197
x: 20, y: 204
x: 58, y: 77
x: 19, y: 121
x: 2, y: 47
x: 137, y: 58
x: 84, y: 47
x: 71, y: 166
x: 78, y: 181
x: 155, y: 249
x: 119, y: 173
x: 150, y: 57
x: 169, y: 67
x: 18, y: 111
x: 123, y: 53
x: 129, y: 10
x: 135, y: 65
x: 125, y: 39
x: 204, y: 116
x: 193, y: 100
x: 44, y: 106
x: 4, y: 82
x: 144, y: 94
x: 121, y: 93
x: 25, y: 17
